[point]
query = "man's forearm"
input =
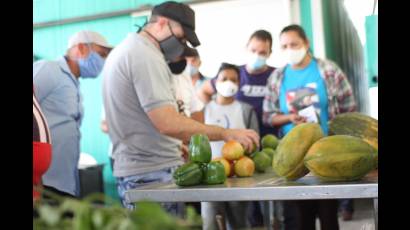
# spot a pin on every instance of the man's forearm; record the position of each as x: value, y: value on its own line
x: 169, y: 122
x: 198, y: 116
x: 280, y: 119
x: 183, y: 128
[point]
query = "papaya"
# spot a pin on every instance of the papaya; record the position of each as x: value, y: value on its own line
x: 356, y: 124
x: 288, y: 161
x: 341, y: 158
x: 340, y: 144
x: 199, y: 149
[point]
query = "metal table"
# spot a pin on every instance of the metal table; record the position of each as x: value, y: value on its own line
x: 261, y: 187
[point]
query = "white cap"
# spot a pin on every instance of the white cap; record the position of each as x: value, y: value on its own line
x: 87, y: 36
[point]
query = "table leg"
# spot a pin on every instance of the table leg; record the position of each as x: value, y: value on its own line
x: 268, y: 217
x: 376, y: 212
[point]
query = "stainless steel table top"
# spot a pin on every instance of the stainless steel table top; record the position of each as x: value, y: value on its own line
x: 266, y: 186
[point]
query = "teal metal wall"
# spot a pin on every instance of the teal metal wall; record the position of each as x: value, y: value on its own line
x: 306, y: 20
x: 344, y: 47
x: 372, y: 52
x: 51, y: 42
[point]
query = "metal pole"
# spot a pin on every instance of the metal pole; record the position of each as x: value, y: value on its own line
x: 268, y: 214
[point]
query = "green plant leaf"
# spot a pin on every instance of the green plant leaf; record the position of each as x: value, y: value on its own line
x: 50, y: 215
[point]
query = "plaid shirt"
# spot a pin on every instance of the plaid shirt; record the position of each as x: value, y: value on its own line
x: 339, y: 92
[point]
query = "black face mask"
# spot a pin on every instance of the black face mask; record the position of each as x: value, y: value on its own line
x: 171, y: 47
x: 177, y: 67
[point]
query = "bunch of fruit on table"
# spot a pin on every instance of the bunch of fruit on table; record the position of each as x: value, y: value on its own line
x: 200, y: 169
x: 235, y: 161
x: 348, y: 154
x: 241, y: 163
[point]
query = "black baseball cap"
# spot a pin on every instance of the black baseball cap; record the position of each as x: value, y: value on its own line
x: 181, y: 13
x: 191, y: 52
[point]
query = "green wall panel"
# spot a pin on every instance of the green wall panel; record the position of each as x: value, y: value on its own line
x: 306, y: 20
x: 51, y: 10
x: 372, y: 52
x: 51, y: 43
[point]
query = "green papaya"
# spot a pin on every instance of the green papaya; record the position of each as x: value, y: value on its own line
x: 356, y: 124
x: 288, y: 161
x: 341, y: 158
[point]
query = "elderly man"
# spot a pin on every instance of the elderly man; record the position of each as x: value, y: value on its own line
x: 140, y: 101
x: 58, y: 91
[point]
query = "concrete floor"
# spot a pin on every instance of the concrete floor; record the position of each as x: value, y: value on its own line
x: 363, y: 217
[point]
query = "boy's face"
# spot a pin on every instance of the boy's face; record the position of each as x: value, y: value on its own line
x: 228, y: 75
x: 194, y: 61
x: 259, y: 47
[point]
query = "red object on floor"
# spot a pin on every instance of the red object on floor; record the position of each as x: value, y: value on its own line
x: 41, y: 162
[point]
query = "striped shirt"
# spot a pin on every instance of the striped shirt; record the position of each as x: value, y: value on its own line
x: 41, y: 133
x: 339, y: 92
x: 41, y: 146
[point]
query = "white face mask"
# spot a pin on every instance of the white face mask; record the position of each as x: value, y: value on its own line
x: 255, y: 61
x: 226, y: 88
x: 295, y: 56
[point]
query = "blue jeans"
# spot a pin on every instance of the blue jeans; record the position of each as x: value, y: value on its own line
x: 233, y: 212
x: 135, y: 181
x: 346, y: 205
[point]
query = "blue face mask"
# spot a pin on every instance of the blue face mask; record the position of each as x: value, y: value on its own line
x: 91, y: 66
x: 191, y: 70
x: 256, y: 62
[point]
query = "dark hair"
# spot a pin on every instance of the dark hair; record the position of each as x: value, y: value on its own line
x: 191, y: 53
x: 262, y: 35
x: 298, y: 29
x: 225, y: 66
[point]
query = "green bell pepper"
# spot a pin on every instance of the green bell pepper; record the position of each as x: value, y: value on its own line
x: 214, y: 173
x: 188, y: 174
x: 200, y: 149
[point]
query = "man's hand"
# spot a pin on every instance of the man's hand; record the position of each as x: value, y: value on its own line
x: 185, y: 152
x: 246, y: 137
x: 104, y: 126
x: 296, y: 119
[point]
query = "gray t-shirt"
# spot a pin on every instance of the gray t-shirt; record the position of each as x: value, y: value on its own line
x: 136, y: 80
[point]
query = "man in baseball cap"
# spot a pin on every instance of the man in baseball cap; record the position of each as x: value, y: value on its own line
x: 140, y: 103
x: 88, y: 37
x: 171, y: 26
x: 182, y: 14
x: 57, y: 88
